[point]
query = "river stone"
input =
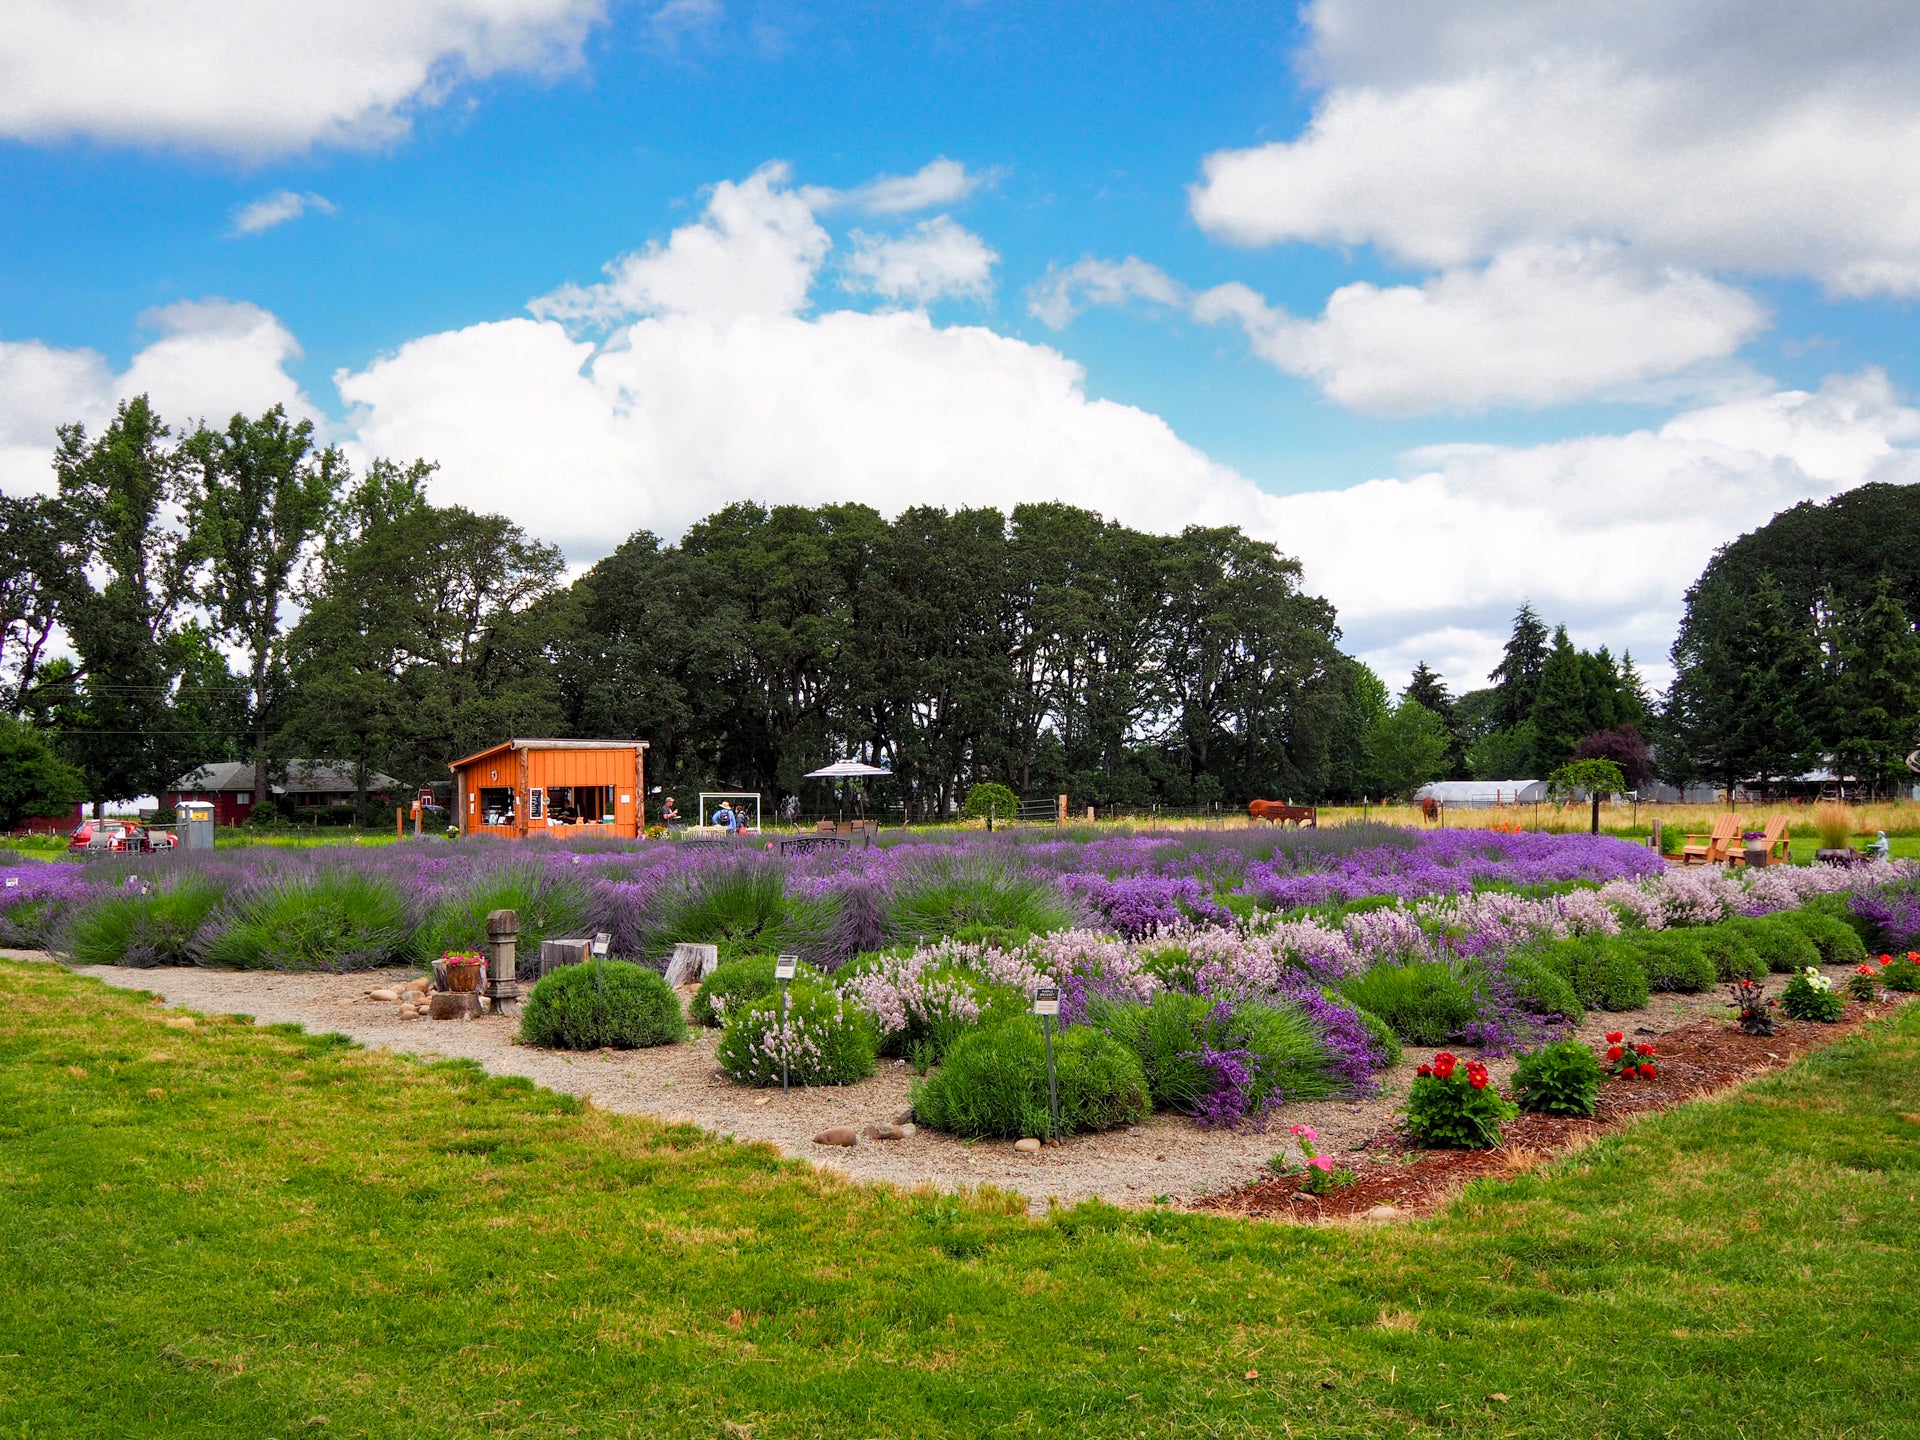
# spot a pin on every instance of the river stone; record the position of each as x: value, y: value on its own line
x: 883, y: 1132
x: 383, y: 994
x: 838, y: 1135
x: 1029, y: 1145
x: 1384, y: 1212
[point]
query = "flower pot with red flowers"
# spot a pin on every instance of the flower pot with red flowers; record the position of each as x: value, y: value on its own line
x: 1453, y: 1106
x: 464, y: 969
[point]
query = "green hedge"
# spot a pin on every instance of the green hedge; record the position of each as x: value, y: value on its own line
x: 603, y: 1003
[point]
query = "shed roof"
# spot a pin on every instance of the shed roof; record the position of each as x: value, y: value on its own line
x: 548, y: 745
x: 1483, y: 792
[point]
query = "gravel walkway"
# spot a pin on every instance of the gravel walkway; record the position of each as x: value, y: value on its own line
x: 1166, y: 1156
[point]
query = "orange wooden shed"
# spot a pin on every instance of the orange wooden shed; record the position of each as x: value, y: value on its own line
x: 553, y: 787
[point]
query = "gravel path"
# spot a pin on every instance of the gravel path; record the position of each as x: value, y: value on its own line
x: 1165, y: 1156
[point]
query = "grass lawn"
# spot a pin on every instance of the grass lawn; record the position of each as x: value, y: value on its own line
x: 222, y: 1230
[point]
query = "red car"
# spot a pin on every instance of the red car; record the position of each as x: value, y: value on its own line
x: 119, y: 835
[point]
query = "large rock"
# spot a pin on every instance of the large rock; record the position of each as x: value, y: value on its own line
x: 838, y: 1135
x: 883, y: 1132
x: 1029, y: 1145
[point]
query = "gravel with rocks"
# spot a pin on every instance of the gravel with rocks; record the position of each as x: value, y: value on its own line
x: 1165, y: 1159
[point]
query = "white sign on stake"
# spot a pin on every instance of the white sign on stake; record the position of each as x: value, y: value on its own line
x: 784, y: 966
x: 601, y: 942
x: 1046, y: 1000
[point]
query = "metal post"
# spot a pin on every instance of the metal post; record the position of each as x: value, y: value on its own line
x: 1046, y: 1004
x: 783, y: 971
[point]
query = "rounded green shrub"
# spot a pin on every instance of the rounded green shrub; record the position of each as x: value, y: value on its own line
x: 1839, y: 906
x: 1423, y: 1003
x: 1732, y: 954
x: 1165, y: 1036
x: 827, y: 1039
x: 599, y: 1004
x: 741, y: 906
x: 1783, y: 947
x: 1542, y: 989
x: 1558, y: 1079
x: 1673, y: 960
x: 739, y: 982
x: 1838, y: 942
x: 335, y: 919
x: 994, y: 1083
x: 1604, y: 970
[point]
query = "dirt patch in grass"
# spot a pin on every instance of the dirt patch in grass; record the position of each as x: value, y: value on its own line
x: 1694, y: 1060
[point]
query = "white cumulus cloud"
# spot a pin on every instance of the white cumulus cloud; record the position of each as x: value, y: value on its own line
x: 937, y: 183
x: 277, y: 209
x: 1716, y: 135
x: 935, y: 260
x: 259, y: 80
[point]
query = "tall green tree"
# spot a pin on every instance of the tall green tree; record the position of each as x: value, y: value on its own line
x: 34, y: 781
x: 41, y: 572
x: 1406, y: 747
x: 119, y: 605
x: 425, y: 634
x: 1522, y: 664
x: 257, y: 497
x: 1877, y: 691
x: 1426, y: 687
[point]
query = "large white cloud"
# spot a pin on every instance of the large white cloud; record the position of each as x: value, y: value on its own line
x: 1716, y: 135
x: 935, y: 260
x: 1536, y: 326
x: 207, y: 360
x: 257, y: 80
x: 1604, y: 532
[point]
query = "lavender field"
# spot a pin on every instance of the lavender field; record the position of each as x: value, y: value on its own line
x: 1217, y: 975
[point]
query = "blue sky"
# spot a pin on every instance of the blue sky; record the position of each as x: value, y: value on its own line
x: 1461, y: 305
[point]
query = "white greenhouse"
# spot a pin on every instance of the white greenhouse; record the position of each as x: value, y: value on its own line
x: 1483, y: 794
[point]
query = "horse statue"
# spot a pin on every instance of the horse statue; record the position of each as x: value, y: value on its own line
x: 1281, y: 812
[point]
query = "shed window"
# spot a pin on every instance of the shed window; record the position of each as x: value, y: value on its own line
x: 496, y: 805
x: 580, y: 805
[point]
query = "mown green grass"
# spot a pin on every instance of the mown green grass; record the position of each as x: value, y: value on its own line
x: 235, y: 1231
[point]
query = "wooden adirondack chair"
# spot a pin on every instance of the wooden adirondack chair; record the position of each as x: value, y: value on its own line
x: 1779, y: 848
x: 1711, y: 849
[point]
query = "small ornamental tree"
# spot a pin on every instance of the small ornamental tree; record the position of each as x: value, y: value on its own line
x: 990, y: 797
x: 34, y: 781
x: 1596, y: 777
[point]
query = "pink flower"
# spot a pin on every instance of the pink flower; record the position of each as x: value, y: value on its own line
x: 1305, y: 1132
x: 1321, y: 1162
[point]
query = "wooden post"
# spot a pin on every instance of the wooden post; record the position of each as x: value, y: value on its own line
x: 1063, y: 810
x: 1658, y: 848
x: 399, y: 822
x: 503, y: 937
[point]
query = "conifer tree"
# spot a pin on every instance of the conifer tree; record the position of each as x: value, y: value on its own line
x: 1878, y: 690
x: 1517, y: 676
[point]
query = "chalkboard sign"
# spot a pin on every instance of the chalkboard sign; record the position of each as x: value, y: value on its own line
x: 536, y: 803
x: 1046, y: 1000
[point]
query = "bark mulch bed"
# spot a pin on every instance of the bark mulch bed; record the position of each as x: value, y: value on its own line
x: 1692, y: 1060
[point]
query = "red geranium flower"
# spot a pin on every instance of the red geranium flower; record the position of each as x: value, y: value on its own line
x: 1614, y: 1037
x: 1615, y: 1053
x: 1863, y: 969
x: 1647, y: 1072
x: 1629, y: 1073
x: 1643, y: 1049
x: 1425, y: 1070
x: 1886, y: 959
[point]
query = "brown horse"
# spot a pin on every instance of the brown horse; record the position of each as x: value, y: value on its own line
x: 1277, y: 812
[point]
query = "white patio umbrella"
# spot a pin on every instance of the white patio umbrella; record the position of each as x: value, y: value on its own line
x: 849, y: 770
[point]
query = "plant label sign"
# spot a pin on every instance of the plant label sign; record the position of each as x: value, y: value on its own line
x: 1046, y: 1000
x: 601, y: 943
x: 784, y: 967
